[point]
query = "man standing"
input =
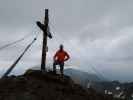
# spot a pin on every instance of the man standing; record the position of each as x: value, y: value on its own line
x: 59, y: 58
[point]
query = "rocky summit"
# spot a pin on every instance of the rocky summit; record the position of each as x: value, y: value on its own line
x: 37, y: 85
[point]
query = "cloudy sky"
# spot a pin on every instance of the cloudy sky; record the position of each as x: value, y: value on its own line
x: 96, y: 33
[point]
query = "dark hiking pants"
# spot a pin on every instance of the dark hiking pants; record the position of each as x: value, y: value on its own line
x: 61, y: 64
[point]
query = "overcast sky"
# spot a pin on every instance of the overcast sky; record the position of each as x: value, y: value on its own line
x: 96, y: 33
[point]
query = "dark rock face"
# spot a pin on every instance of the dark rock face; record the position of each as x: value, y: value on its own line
x: 35, y: 85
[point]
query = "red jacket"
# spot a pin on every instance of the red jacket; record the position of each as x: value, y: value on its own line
x: 61, y: 56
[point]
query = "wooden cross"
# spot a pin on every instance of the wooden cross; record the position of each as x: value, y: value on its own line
x: 45, y: 28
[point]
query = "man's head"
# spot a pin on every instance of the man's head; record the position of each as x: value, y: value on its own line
x: 61, y: 47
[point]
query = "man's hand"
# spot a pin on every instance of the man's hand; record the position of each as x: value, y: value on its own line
x: 67, y: 57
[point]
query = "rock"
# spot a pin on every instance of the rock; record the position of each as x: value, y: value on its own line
x: 37, y: 85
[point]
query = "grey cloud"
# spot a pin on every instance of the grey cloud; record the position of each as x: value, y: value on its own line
x: 93, y: 31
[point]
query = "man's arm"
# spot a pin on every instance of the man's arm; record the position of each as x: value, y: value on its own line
x: 67, y: 56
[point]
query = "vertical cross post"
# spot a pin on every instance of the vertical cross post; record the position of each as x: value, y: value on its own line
x: 44, y: 47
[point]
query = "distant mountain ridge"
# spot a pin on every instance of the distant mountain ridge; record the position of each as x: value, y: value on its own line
x: 82, y: 77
